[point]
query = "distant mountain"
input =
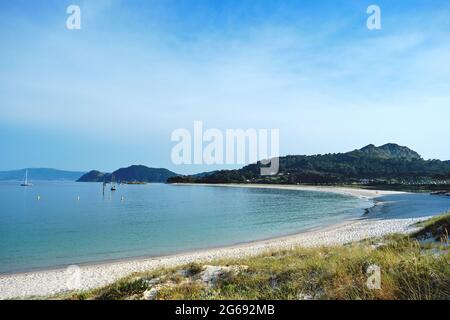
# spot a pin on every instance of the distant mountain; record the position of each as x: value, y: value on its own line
x: 41, y: 174
x: 133, y: 173
x: 389, y: 162
x: 387, y: 151
x: 93, y: 176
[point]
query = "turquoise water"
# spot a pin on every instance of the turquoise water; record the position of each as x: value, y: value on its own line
x: 153, y: 219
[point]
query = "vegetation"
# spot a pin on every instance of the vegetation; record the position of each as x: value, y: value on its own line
x: 410, y: 269
x: 436, y: 229
x: 133, y: 173
x: 385, y: 165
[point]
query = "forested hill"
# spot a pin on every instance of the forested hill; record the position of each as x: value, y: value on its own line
x: 133, y: 173
x: 389, y: 162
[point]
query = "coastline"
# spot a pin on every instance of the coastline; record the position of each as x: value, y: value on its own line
x: 50, y: 282
x: 355, y: 192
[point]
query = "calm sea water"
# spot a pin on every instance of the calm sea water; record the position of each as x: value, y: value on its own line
x: 153, y: 219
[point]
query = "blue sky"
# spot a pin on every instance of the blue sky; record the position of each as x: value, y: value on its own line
x: 110, y: 95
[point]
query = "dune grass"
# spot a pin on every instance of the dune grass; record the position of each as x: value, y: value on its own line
x: 409, y: 269
x: 436, y: 228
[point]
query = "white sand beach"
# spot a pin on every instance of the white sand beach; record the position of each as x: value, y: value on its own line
x: 44, y: 283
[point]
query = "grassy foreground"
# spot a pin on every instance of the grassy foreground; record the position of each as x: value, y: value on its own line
x: 411, y: 267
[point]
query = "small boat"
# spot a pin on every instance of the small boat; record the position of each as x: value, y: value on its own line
x: 113, y: 185
x: 25, y: 183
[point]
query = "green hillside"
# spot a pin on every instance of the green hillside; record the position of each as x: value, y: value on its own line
x: 389, y: 162
x: 133, y: 173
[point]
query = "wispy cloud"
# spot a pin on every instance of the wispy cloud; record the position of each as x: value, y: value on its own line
x: 330, y: 86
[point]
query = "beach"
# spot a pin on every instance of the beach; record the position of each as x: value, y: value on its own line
x: 382, y: 219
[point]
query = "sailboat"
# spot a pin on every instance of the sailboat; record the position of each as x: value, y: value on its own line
x: 25, y: 183
x: 113, y: 185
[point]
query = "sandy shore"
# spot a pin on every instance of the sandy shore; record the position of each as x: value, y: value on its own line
x: 356, y: 192
x: 44, y: 283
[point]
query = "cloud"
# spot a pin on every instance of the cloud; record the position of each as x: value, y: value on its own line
x: 331, y: 82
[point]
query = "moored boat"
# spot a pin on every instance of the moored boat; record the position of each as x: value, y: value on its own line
x: 25, y: 183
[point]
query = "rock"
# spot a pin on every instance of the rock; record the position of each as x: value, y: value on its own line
x: 377, y: 245
x: 152, y: 282
x: 305, y: 297
x: 211, y: 274
x: 183, y: 273
x: 150, y: 294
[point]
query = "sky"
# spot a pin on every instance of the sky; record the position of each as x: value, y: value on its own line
x: 110, y: 94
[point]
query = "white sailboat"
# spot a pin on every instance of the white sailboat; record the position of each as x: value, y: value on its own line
x: 25, y: 182
x: 113, y: 185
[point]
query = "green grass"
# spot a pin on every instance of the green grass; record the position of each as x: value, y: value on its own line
x: 409, y: 270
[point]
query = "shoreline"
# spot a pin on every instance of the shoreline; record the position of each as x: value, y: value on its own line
x: 371, y: 195
x: 358, y: 193
x: 355, y: 192
x: 97, y: 274
x: 100, y: 263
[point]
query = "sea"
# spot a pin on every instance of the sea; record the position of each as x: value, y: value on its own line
x: 54, y: 224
